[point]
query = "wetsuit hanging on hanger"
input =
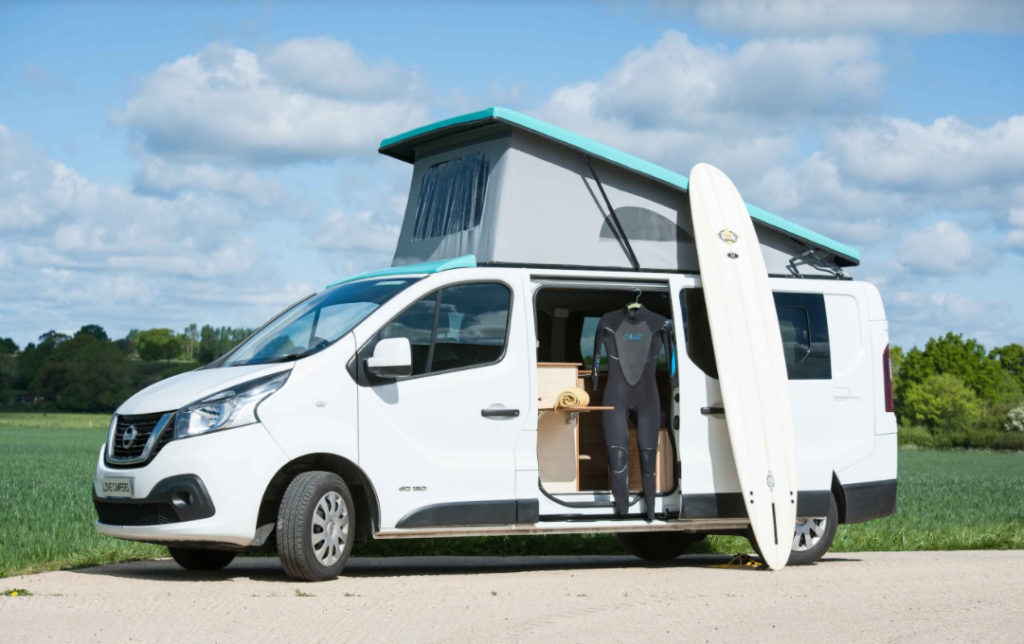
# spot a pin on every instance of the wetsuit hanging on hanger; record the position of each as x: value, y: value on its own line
x: 632, y: 337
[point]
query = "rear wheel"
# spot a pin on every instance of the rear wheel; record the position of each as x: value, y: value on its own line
x: 812, y: 537
x: 315, y: 526
x: 657, y: 546
x: 198, y: 559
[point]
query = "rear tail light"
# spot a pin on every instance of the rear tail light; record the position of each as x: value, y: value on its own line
x: 887, y: 379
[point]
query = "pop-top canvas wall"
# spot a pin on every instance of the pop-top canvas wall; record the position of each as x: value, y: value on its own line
x: 541, y: 206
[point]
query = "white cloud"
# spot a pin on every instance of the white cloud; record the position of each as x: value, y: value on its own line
x: 947, y: 154
x: 158, y: 176
x: 944, y: 248
x: 229, y: 104
x: 360, y: 232
x: 745, y: 111
x: 832, y: 16
x: 875, y: 175
x: 75, y: 251
x: 328, y: 67
x: 926, y: 312
x: 363, y: 236
x: 1015, y: 236
x: 828, y: 203
x: 677, y: 83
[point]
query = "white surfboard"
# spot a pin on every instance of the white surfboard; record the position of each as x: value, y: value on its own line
x: 748, y: 352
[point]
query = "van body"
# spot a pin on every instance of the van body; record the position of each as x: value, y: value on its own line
x: 419, y: 400
x: 456, y: 447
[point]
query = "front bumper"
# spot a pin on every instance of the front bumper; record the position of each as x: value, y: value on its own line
x: 202, y: 489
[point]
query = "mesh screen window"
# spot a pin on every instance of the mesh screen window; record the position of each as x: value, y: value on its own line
x: 451, y: 197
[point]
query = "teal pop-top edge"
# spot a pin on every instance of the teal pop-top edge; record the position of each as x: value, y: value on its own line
x: 465, y: 261
x: 399, y: 146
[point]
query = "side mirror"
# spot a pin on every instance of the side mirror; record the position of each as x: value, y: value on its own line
x: 392, y: 358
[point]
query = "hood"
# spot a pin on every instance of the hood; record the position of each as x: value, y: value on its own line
x: 184, y: 388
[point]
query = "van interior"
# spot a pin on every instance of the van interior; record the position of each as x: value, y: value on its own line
x: 570, y: 445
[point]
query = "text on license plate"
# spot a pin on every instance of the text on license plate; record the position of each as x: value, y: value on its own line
x: 117, y: 487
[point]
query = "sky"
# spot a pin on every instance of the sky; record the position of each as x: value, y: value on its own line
x: 212, y: 162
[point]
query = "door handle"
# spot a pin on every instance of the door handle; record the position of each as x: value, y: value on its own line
x: 711, y: 411
x: 499, y: 413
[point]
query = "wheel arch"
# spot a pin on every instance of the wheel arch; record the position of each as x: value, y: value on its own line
x: 363, y: 494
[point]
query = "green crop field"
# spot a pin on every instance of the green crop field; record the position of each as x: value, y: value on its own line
x: 46, y: 514
x: 947, y: 500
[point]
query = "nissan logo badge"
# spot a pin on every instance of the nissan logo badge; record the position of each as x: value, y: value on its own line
x: 129, y: 437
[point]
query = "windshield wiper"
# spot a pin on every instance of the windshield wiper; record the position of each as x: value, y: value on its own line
x: 286, y: 358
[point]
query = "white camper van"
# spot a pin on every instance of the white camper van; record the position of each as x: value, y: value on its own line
x: 421, y: 400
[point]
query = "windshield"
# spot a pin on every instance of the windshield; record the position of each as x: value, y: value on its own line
x: 316, y: 322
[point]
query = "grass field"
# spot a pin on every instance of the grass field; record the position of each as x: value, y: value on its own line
x: 46, y: 514
x: 947, y: 500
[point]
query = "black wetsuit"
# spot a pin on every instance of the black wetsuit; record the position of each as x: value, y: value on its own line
x: 633, y: 339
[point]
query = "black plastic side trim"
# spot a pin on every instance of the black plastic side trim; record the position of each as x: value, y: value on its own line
x: 527, y: 511
x: 503, y: 512
x: 866, y: 501
x: 810, y: 503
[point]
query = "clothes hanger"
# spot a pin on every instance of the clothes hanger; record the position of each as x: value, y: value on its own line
x: 635, y: 304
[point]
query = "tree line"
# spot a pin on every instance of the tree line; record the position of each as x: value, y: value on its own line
x: 954, y: 393
x: 951, y: 393
x: 90, y: 372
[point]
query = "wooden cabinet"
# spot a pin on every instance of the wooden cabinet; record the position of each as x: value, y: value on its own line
x: 571, y: 453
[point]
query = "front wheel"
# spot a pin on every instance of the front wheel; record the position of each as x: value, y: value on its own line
x: 657, y: 546
x: 198, y: 559
x: 315, y: 526
x: 812, y: 537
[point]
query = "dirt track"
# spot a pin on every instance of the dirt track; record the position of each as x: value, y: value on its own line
x: 922, y: 596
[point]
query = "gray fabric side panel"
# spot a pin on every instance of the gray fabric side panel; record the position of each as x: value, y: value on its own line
x: 552, y: 211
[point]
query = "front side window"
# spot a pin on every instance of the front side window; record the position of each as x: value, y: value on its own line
x: 451, y: 197
x: 315, y: 323
x: 455, y: 328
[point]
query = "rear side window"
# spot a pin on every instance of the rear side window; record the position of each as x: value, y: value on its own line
x: 451, y: 197
x: 455, y: 328
x: 804, y: 330
x: 802, y: 323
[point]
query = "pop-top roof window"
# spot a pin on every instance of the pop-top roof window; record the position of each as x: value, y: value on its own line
x: 451, y: 197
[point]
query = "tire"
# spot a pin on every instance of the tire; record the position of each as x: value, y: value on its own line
x: 198, y: 559
x: 315, y: 526
x: 657, y: 546
x: 812, y: 538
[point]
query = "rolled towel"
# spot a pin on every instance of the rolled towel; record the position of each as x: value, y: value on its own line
x: 574, y: 397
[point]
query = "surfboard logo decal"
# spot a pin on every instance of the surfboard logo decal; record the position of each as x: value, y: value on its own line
x: 771, y: 481
x: 728, y: 236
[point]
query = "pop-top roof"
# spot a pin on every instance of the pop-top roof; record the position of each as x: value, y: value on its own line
x: 403, y: 147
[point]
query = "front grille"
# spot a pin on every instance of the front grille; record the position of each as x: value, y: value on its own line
x: 135, y: 513
x: 144, y: 426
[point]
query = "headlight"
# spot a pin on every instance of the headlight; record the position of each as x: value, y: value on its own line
x: 232, y: 407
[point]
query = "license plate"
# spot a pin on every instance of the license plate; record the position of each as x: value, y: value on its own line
x: 121, y: 487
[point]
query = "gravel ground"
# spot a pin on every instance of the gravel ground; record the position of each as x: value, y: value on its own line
x: 872, y: 597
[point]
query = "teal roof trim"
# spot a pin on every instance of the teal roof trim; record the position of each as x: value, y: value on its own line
x: 401, y: 147
x: 465, y: 261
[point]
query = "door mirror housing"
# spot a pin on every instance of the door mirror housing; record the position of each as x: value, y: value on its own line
x: 392, y: 358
